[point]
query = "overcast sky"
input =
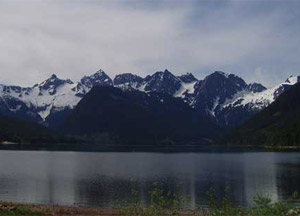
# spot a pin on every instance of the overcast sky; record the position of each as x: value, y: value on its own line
x: 255, y: 39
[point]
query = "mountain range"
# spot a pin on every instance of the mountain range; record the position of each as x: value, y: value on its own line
x: 226, y: 98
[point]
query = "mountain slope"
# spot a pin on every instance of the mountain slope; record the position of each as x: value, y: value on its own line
x: 11, y: 106
x: 215, y: 89
x: 278, y: 124
x: 212, y: 95
x: 137, y: 117
x: 245, y: 105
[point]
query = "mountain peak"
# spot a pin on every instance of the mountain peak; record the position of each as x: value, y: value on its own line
x: 52, y: 83
x: 51, y: 79
x: 54, y: 79
x: 53, y: 76
x: 256, y: 87
x: 188, y: 78
x: 98, y: 78
x: 127, y: 78
x: 216, y: 89
x: 221, y: 73
x: 163, y: 81
x: 100, y: 71
x: 166, y: 74
x: 292, y: 80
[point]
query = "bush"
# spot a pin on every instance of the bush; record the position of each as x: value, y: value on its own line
x: 161, y: 203
x: 263, y: 206
x: 167, y: 203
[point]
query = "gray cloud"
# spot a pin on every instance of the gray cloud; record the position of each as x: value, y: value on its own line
x: 257, y: 40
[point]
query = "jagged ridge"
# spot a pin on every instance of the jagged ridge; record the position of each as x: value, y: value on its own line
x: 225, y: 97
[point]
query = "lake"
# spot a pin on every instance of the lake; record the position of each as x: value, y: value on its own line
x: 108, y: 179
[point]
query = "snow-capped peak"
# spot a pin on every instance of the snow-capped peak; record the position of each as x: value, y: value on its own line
x: 100, y: 73
x: 256, y: 87
x: 53, y: 83
x: 260, y: 100
x: 292, y: 80
x: 52, y: 78
x: 98, y: 78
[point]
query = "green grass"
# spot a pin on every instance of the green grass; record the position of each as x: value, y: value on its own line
x: 9, y: 209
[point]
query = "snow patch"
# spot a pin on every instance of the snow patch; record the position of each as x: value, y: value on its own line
x: 216, y: 103
x: 262, y: 99
x: 185, y: 88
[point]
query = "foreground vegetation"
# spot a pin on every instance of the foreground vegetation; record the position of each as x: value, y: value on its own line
x: 171, y: 204
x: 165, y: 203
x: 16, y: 209
x: 263, y: 206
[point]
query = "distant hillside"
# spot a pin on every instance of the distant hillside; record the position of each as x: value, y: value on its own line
x: 132, y: 116
x: 277, y: 125
x: 22, y: 131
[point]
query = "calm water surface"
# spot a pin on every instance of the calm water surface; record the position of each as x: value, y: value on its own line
x: 105, y: 179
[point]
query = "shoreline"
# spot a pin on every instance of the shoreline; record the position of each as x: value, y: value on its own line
x: 12, y: 208
x: 145, y: 148
x: 29, y: 209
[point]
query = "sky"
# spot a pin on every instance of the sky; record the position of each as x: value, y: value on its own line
x: 258, y: 40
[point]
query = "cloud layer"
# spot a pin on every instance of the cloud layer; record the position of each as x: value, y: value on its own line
x: 258, y: 40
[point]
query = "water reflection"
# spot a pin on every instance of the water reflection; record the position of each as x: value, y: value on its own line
x: 104, y: 179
